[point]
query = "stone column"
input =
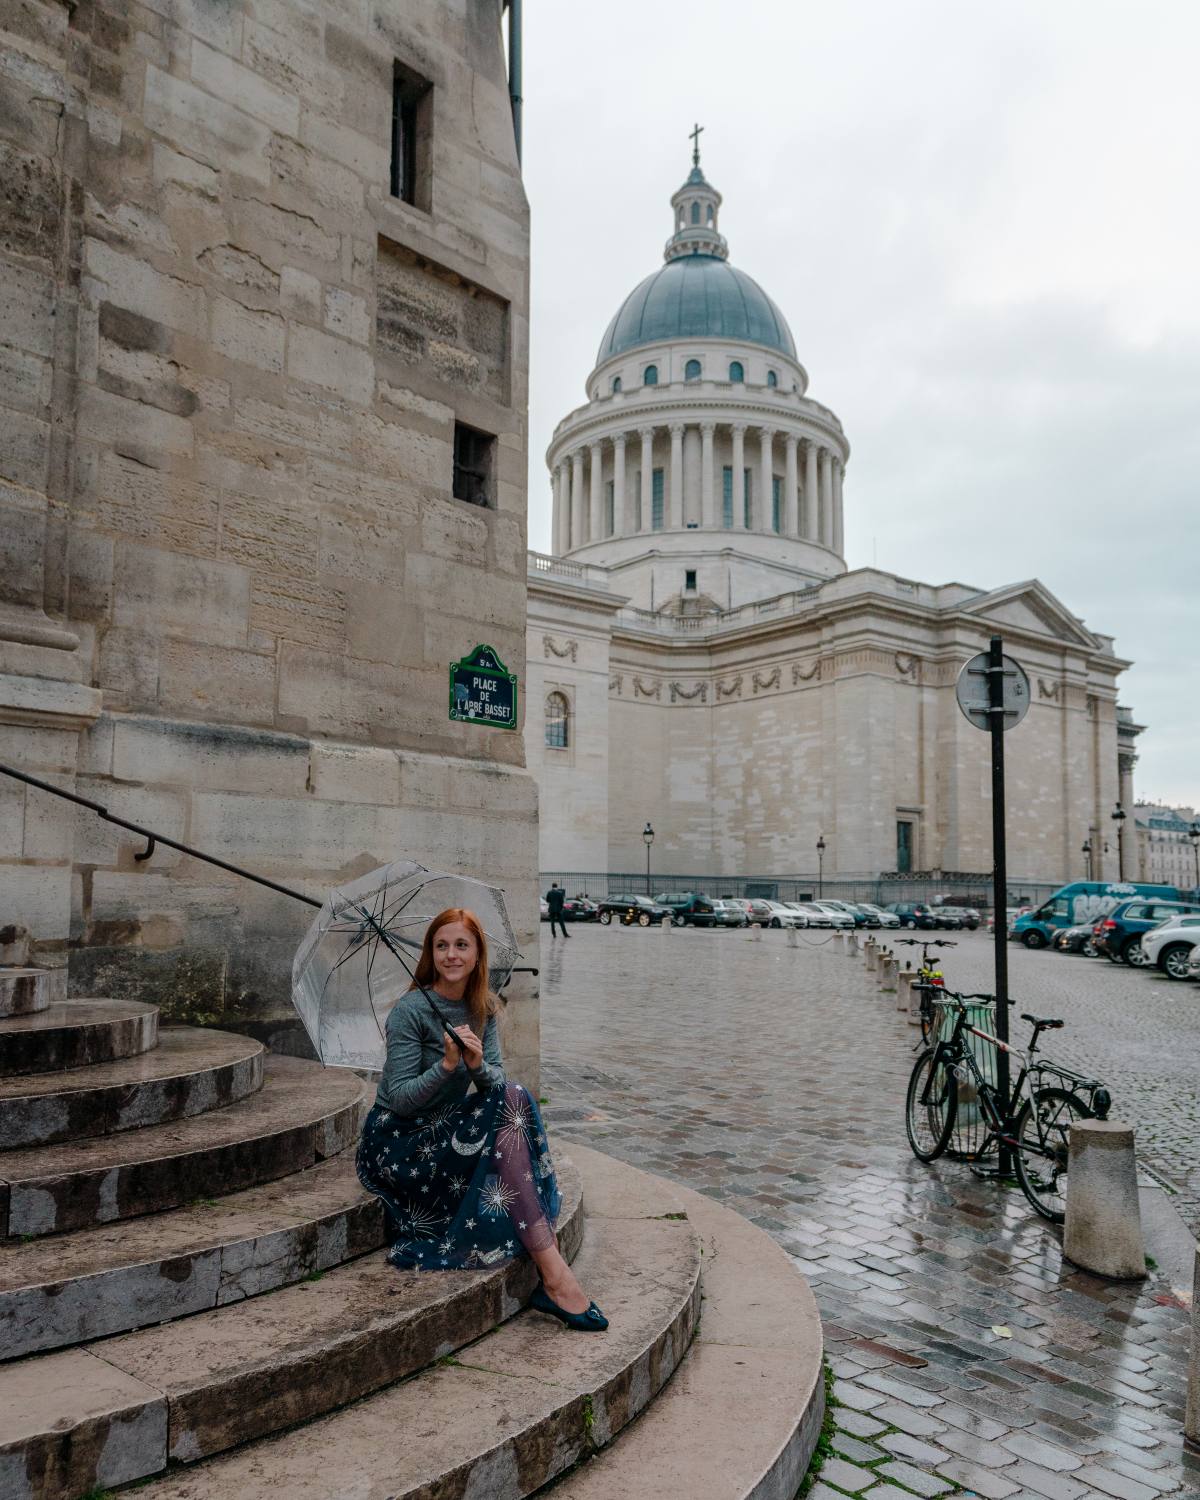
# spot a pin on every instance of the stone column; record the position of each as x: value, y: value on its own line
x: 647, y: 436
x: 558, y: 508
x: 578, y: 513
x: 826, y: 508
x: 838, y: 527
x: 1127, y: 830
x: 791, y: 508
x: 622, y: 522
x: 596, y: 506
x: 811, y: 510
x: 739, y: 476
x: 708, y: 498
x: 674, y: 515
x: 762, y: 517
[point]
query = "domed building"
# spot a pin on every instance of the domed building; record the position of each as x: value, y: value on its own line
x: 699, y: 657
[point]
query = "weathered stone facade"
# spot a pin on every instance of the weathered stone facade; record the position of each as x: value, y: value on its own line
x: 232, y: 570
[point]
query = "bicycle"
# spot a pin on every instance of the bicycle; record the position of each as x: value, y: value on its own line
x: 1037, y: 1133
x: 931, y: 983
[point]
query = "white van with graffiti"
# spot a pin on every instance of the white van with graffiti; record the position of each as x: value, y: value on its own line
x: 1081, y: 901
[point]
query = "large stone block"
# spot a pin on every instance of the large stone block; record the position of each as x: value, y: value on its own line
x: 207, y: 127
x: 166, y: 752
x: 230, y: 81
x: 331, y: 363
x: 254, y: 338
x: 195, y: 678
x: 202, y: 599
x: 29, y: 203
x: 153, y: 505
x: 134, y: 284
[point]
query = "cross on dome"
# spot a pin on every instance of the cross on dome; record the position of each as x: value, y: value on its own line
x: 695, y: 140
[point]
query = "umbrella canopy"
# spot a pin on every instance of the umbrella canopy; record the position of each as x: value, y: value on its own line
x: 360, y: 954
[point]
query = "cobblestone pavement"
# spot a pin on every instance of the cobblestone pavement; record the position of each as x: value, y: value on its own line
x: 969, y: 1358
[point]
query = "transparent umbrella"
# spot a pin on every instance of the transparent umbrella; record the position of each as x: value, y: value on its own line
x: 360, y: 955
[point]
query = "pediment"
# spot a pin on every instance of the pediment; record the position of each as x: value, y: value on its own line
x: 1031, y: 606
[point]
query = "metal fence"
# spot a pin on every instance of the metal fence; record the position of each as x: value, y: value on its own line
x: 959, y: 888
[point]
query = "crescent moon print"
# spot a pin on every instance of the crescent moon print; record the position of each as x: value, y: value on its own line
x: 469, y: 1149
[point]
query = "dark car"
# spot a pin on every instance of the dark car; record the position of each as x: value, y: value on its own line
x: 580, y: 909
x: 914, y: 914
x: 966, y: 916
x: 631, y: 909
x: 1119, y: 935
x: 1079, y: 939
x: 689, y: 906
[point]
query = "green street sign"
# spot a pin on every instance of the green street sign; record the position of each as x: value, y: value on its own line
x: 483, y: 690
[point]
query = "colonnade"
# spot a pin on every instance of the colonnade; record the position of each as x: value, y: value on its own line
x: 810, y: 507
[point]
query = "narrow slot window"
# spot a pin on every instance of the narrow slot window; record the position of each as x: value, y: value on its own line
x: 473, y: 465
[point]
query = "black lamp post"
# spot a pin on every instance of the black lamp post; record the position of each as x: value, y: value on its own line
x: 1087, y: 854
x: 1118, y: 816
x: 820, y: 865
x: 647, y: 839
x: 1194, y: 840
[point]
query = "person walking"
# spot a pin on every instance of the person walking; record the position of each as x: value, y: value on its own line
x: 555, y: 897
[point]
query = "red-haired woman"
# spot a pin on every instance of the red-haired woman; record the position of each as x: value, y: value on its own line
x: 465, y: 1175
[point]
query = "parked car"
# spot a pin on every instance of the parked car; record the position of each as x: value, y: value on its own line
x: 859, y: 918
x: 758, y: 910
x: 1170, y: 944
x: 783, y: 915
x: 820, y: 914
x: 543, y: 909
x: 1119, y: 935
x: 913, y: 914
x: 580, y: 909
x: 689, y: 907
x: 1076, y: 940
x: 730, y: 914
x: 883, y: 917
x: 1081, y: 901
x: 966, y: 916
x: 630, y: 909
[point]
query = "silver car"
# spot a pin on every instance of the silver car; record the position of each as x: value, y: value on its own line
x: 884, y: 918
x: 730, y: 914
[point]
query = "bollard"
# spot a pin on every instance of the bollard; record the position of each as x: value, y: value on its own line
x: 904, y: 989
x: 792, y: 940
x: 887, y: 976
x: 1103, y: 1230
x: 666, y: 924
x: 15, y: 947
x: 756, y: 931
x: 1191, y: 1421
x: 914, y: 1002
x: 870, y: 950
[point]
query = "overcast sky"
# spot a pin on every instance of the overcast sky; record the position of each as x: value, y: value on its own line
x: 982, y: 224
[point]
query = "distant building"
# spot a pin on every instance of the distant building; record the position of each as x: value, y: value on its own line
x: 700, y: 657
x: 1167, y: 841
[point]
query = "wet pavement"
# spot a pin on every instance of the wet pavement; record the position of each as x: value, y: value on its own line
x: 970, y: 1358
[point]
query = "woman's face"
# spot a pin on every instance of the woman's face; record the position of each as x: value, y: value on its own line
x: 455, y: 953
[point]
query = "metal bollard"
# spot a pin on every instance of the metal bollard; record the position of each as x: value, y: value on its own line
x: 1191, y: 1421
x: 1103, y: 1229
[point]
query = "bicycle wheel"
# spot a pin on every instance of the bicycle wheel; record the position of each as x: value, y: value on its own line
x: 1042, y: 1131
x: 929, y: 1124
x: 930, y: 1015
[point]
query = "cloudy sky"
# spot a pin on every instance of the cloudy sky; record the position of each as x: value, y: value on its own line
x: 981, y: 222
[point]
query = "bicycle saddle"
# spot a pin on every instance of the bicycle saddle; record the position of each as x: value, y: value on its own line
x: 1043, y: 1022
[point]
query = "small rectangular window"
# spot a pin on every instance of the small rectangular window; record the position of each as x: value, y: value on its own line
x: 412, y: 137
x: 689, y: 580
x: 776, y: 502
x: 656, y: 500
x: 473, y: 465
x: 748, y: 498
x: 727, y: 497
x: 609, y: 506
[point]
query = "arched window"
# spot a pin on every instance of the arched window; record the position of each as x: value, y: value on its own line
x: 557, y: 714
x: 650, y: 375
x: 710, y: 213
x: 616, y: 384
x: 736, y: 373
x: 772, y: 378
x: 695, y: 213
x: 691, y: 371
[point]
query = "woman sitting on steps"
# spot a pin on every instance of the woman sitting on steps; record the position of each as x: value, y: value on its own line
x: 466, y: 1176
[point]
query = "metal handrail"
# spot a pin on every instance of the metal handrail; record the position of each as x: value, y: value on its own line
x: 153, y: 839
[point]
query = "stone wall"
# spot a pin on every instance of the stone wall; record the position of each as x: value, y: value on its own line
x: 233, y: 569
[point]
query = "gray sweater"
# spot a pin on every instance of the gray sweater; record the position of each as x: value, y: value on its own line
x: 413, y: 1077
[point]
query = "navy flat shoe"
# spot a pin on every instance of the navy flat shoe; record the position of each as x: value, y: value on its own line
x: 591, y: 1321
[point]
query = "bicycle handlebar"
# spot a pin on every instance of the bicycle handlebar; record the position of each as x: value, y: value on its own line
x: 925, y: 943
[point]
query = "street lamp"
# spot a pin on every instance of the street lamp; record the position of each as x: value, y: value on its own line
x: 1194, y: 840
x: 1118, y: 816
x: 647, y: 839
x: 1087, y: 854
x: 820, y: 865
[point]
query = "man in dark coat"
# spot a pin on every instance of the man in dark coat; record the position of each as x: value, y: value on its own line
x: 555, y: 897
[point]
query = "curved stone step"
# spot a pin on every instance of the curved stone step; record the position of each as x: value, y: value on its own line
x: 515, y: 1409
x: 191, y: 1071
x: 751, y: 1382
x: 205, y: 1383
x: 67, y: 1289
x: 24, y: 992
x: 303, y: 1113
x: 76, y: 1034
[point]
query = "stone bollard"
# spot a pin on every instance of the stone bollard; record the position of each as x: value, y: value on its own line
x: 904, y: 988
x: 887, y: 977
x: 15, y: 946
x: 1191, y: 1421
x: 756, y: 931
x: 870, y: 952
x: 792, y: 940
x: 1103, y: 1230
x: 666, y: 924
x: 24, y: 992
x: 914, y: 1002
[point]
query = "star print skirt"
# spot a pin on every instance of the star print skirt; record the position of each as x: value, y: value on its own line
x: 465, y: 1185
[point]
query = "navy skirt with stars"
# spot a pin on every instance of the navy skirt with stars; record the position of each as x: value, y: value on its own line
x: 465, y: 1185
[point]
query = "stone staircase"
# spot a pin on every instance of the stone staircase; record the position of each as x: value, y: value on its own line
x: 193, y: 1295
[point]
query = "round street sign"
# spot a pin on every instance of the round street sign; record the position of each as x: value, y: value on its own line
x: 971, y: 690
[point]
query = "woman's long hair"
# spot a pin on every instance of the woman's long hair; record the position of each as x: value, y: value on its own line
x: 478, y: 996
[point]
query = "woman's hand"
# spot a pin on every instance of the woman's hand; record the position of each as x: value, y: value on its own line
x: 472, y: 1049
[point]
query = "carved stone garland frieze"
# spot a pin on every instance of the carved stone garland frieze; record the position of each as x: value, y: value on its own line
x: 762, y: 684
x: 698, y: 690
x: 614, y: 684
x: 800, y: 675
x: 1051, y: 690
x: 647, y: 690
x: 550, y: 647
x: 907, y: 665
x: 731, y: 687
